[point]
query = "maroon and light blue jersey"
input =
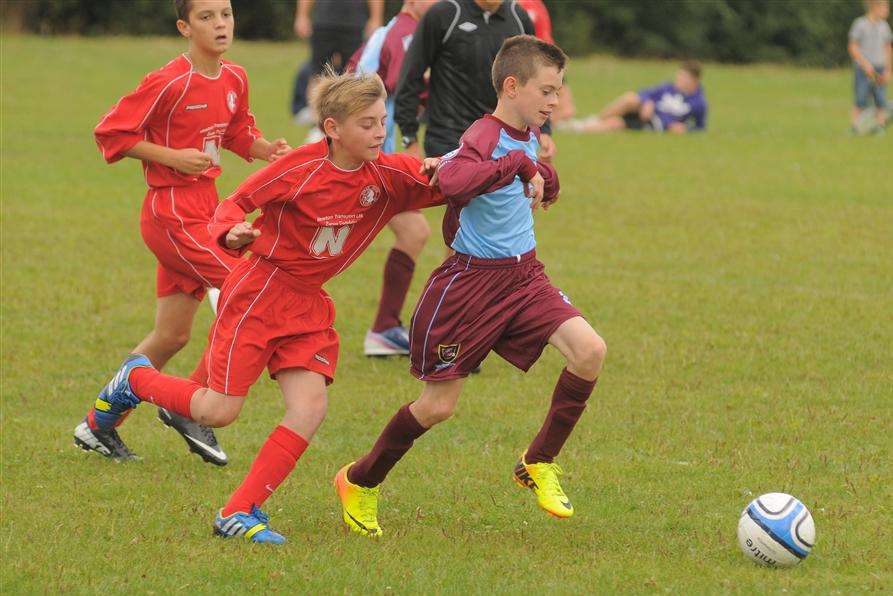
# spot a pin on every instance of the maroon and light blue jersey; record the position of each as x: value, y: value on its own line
x: 484, y: 181
x: 671, y: 105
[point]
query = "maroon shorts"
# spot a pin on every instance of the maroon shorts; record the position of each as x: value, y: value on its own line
x: 471, y: 306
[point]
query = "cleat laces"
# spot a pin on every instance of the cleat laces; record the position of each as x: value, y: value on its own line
x: 549, y: 480
x: 367, y: 505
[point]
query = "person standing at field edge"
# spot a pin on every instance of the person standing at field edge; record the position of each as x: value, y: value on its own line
x: 872, y: 53
x: 175, y: 123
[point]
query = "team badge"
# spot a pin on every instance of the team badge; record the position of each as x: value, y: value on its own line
x: 231, y: 101
x: 369, y: 195
x: 448, y: 353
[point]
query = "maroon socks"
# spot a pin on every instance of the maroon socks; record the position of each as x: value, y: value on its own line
x: 398, y: 270
x: 392, y: 444
x: 568, y: 403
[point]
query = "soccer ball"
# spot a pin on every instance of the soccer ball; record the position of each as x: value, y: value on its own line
x: 776, y: 530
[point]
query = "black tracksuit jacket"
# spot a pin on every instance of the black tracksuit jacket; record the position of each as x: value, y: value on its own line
x: 458, y: 42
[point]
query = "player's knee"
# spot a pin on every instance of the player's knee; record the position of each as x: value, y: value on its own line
x: 589, y: 355
x: 435, y: 411
x: 219, y: 417
x: 441, y: 411
x: 412, y: 238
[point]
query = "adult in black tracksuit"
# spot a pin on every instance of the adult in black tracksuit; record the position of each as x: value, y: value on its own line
x: 458, y: 40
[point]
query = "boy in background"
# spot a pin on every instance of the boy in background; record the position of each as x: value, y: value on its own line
x: 870, y: 48
x: 676, y: 107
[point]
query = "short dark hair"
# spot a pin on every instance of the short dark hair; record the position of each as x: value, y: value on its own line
x: 520, y: 56
x: 692, y: 67
x: 182, y: 8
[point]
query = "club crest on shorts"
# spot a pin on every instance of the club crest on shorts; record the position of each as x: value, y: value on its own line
x: 369, y: 195
x: 448, y: 353
x: 231, y: 101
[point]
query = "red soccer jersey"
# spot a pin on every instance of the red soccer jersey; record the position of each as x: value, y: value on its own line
x: 316, y: 218
x: 176, y: 106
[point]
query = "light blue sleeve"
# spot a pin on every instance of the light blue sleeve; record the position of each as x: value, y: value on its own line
x: 369, y: 59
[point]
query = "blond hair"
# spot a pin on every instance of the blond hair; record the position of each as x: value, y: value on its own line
x: 340, y: 95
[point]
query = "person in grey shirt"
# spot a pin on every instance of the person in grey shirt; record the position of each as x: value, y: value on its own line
x: 872, y: 53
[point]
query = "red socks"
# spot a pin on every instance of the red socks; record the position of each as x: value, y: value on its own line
x: 273, y: 464
x: 398, y: 270
x: 568, y: 403
x: 171, y: 393
x: 393, y: 443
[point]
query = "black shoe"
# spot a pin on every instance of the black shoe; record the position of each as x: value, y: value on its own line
x: 199, y: 438
x: 104, y: 442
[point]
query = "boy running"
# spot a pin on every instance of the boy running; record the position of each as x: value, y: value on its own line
x: 384, y: 53
x: 176, y: 122
x: 493, y: 294
x: 321, y: 206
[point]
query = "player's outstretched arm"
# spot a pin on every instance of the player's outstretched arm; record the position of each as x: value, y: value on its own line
x: 468, y: 173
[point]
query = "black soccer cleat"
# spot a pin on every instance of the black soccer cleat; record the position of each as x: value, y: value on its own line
x: 199, y: 438
x: 104, y: 442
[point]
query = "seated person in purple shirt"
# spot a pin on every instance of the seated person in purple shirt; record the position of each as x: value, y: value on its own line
x: 676, y: 107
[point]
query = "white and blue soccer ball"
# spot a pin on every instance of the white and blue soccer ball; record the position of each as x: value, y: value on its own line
x: 776, y: 530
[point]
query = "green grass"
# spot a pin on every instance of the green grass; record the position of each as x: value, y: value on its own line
x: 742, y: 279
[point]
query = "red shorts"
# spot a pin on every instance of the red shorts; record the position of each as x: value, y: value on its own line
x: 268, y: 318
x: 174, y: 225
x: 471, y: 306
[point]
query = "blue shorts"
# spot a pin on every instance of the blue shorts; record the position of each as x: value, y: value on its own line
x: 864, y: 89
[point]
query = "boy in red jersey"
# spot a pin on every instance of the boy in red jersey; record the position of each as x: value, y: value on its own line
x: 176, y: 122
x: 493, y: 294
x: 321, y: 205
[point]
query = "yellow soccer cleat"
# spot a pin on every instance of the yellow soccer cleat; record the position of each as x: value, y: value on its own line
x: 359, y: 505
x: 542, y: 479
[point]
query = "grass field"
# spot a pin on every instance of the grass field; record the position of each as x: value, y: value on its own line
x: 742, y: 278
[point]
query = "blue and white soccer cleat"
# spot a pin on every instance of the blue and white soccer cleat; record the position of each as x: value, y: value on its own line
x: 116, y: 398
x: 251, y: 525
x: 390, y: 342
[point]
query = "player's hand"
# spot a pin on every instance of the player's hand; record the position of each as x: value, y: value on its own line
x: 534, y: 189
x: 547, y: 148
x: 870, y: 72
x: 190, y: 161
x: 885, y: 77
x: 415, y: 149
x: 277, y: 149
x: 677, y: 128
x: 549, y: 203
x: 429, y: 169
x: 241, y: 234
x: 303, y: 27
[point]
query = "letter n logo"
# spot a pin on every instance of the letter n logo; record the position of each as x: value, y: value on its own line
x: 329, y: 239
